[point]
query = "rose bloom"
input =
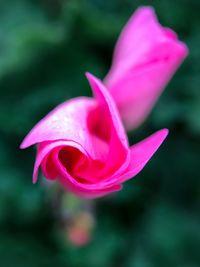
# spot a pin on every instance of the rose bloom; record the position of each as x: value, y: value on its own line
x: 82, y: 143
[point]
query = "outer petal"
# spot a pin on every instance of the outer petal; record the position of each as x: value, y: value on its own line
x: 118, y: 156
x: 68, y: 121
x: 145, y: 58
x: 108, y: 105
x: 142, y: 152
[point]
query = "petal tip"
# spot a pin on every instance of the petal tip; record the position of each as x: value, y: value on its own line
x: 22, y: 145
x: 91, y: 78
x: 144, y: 8
x: 164, y: 133
x: 185, y: 50
x: 145, y: 11
x: 89, y: 75
x: 26, y: 142
x: 34, y: 179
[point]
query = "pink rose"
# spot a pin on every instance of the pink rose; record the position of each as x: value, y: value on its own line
x: 82, y: 144
x: 145, y: 58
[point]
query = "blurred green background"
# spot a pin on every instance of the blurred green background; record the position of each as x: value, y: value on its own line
x: 45, y: 48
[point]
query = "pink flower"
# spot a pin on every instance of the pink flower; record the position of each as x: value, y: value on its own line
x: 145, y: 58
x: 82, y: 144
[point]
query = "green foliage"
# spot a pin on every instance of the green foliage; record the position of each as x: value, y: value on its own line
x: 45, y: 48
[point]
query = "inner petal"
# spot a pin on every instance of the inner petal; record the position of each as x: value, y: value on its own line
x: 48, y: 167
x: 78, y: 165
x: 71, y: 158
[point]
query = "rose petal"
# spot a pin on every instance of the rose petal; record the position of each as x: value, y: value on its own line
x: 45, y: 148
x: 62, y: 123
x: 145, y: 58
x: 68, y: 121
x: 142, y: 152
x: 118, y: 157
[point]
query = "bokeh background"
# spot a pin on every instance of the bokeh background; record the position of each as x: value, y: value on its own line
x: 45, y: 48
